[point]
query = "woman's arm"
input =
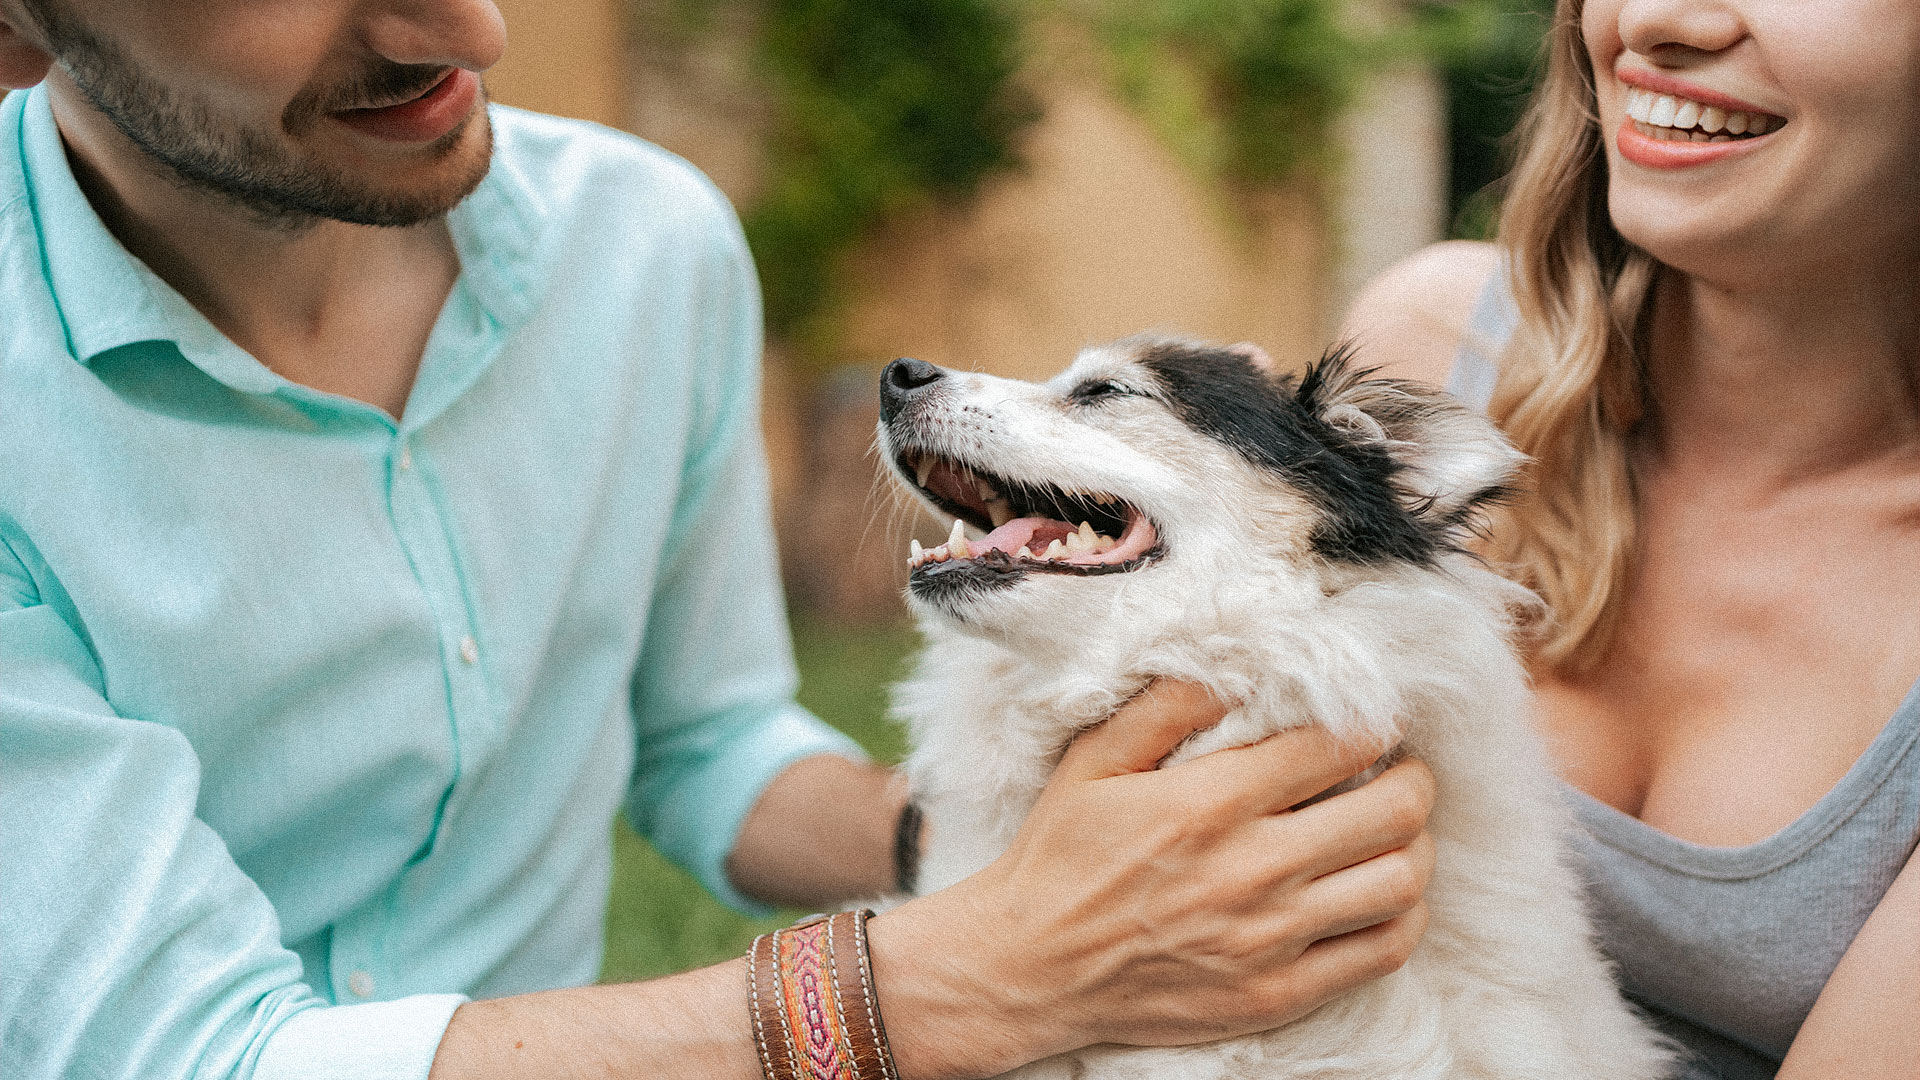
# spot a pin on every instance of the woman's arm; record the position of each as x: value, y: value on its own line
x: 1409, y: 320
x: 1866, y: 1023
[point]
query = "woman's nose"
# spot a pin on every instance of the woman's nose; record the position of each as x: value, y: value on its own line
x: 1667, y: 31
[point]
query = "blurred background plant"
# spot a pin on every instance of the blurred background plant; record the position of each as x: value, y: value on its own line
x: 887, y: 106
x: 991, y: 183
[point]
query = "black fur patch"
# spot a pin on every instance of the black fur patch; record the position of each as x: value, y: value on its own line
x: 953, y: 584
x: 1272, y: 422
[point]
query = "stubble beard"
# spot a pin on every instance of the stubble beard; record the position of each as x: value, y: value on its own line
x: 252, y: 170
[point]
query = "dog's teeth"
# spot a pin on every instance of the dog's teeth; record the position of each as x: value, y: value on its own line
x: 1086, y: 532
x: 1025, y: 552
x: 1055, y: 550
x: 957, y: 541
x: 1103, y: 544
x: 986, y: 490
x: 915, y: 553
x: 922, y: 470
x: 1103, y: 499
x: 1000, y: 512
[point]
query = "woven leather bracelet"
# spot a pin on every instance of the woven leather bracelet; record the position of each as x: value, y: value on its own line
x: 810, y: 995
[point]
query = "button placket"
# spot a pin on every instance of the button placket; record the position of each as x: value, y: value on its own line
x: 425, y: 535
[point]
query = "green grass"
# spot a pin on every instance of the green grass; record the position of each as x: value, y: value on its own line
x: 659, y: 920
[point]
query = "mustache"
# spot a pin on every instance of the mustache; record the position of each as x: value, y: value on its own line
x: 378, y: 84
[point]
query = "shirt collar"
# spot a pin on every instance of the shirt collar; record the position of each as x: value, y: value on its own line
x: 107, y: 298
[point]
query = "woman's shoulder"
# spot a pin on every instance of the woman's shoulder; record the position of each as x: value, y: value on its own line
x: 1409, y: 320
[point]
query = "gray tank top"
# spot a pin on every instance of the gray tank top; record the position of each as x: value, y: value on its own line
x: 1727, y: 948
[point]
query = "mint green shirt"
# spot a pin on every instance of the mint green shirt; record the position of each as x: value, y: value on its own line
x: 312, y: 722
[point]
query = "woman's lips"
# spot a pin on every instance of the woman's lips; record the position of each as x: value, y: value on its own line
x: 1676, y: 153
x: 424, y: 119
x: 1661, y: 83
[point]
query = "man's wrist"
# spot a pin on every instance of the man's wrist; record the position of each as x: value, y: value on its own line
x: 951, y: 1001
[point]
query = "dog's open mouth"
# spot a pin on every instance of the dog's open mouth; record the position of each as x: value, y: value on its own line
x: 1028, y: 525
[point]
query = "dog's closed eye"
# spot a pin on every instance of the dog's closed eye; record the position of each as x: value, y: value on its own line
x: 1088, y: 393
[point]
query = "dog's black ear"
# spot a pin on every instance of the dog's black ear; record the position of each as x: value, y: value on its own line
x: 1451, y: 459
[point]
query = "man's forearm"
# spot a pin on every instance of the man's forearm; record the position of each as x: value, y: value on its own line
x: 820, y: 835
x: 691, y: 1025
x: 1044, y: 950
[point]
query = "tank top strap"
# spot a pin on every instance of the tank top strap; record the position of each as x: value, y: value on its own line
x: 1476, y: 365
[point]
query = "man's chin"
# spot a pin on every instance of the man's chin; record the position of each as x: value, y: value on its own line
x: 410, y: 188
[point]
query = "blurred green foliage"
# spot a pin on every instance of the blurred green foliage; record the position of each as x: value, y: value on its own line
x: 1489, y: 66
x: 1250, y: 91
x: 886, y: 106
x: 1245, y: 90
x: 883, y: 105
x: 659, y: 920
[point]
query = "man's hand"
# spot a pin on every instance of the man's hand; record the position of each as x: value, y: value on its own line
x: 1136, y: 905
x: 1162, y: 907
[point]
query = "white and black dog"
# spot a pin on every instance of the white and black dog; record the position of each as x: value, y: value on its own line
x: 1169, y: 508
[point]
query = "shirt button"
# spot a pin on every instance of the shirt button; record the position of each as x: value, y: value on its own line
x: 406, y: 458
x: 469, y: 650
x: 360, y: 984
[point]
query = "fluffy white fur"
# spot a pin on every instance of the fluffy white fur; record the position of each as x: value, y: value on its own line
x: 1507, y: 982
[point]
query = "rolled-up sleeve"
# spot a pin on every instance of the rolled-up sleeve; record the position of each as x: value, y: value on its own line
x: 133, y: 945
x: 713, y: 692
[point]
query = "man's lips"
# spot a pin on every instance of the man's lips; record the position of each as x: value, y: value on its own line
x: 423, y: 119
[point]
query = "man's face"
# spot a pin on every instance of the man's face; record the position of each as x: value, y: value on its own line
x: 297, y: 110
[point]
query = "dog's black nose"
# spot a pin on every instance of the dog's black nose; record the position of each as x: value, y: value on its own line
x: 903, y: 379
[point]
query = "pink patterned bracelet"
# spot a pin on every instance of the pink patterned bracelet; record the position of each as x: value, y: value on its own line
x: 811, y: 1001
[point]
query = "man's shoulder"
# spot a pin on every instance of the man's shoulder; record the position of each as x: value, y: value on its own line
x: 577, y: 171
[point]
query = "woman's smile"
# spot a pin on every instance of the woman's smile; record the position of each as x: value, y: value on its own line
x: 1672, y: 124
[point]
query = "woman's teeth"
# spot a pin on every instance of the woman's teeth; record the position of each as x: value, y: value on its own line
x: 1676, y: 119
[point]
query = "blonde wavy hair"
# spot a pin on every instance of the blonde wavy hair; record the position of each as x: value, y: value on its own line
x: 1571, y: 386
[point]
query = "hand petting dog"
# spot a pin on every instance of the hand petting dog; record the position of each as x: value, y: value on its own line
x: 1208, y: 910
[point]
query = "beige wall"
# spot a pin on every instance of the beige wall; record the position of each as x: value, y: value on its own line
x: 564, y: 56
x: 1103, y: 235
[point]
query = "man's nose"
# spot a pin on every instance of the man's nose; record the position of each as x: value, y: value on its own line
x: 449, y: 33
x: 902, y: 381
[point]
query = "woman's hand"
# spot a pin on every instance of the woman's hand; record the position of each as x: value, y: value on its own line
x: 1162, y: 907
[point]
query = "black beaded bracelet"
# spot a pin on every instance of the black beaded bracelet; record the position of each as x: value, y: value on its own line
x: 906, y: 847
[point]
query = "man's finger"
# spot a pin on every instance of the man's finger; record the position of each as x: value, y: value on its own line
x: 1381, y: 888
x: 1278, y: 772
x: 1385, y: 813
x: 1145, y: 730
x: 1332, y: 966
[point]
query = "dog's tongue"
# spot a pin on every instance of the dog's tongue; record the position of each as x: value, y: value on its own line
x: 1032, y: 533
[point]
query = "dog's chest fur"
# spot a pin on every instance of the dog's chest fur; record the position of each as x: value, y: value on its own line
x: 1506, y: 982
